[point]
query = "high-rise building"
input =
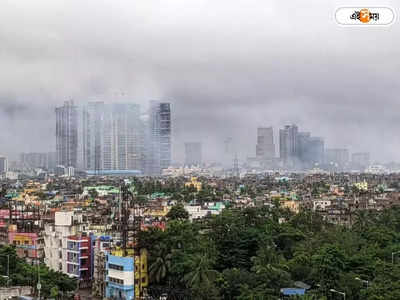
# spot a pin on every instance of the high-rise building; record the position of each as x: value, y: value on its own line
x: 93, y: 135
x: 33, y: 160
x: 288, y: 145
x: 193, y: 154
x: 310, y: 150
x: 265, y: 148
x: 159, y: 138
x: 361, y: 159
x: 3, y: 164
x: 51, y: 160
x: 67, y: 134
x: 315, y: 151
x: 303, y: 143
x: 112, y: 137
x: 228, y: 152
x: 123, y: 141
x: 336, y: 156
x: 46, y: 160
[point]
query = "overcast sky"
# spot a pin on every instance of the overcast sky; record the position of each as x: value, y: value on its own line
x: 226, y: 66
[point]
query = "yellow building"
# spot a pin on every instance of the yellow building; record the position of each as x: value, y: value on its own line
x: 160, y: 211
x: 362, y: 186
x: 291, y: 205
x: 193, y: 182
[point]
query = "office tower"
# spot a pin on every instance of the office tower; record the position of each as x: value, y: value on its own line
x: 360, y: 159
x: 193, y: 154
x: 265, y: 148
x: 288, y: 145
x: 337, y: 156
x: 67, y: 134
x: 3, y: 164
x: 159, y: 137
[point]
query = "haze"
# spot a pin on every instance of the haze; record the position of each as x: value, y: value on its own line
x: 226, y: 66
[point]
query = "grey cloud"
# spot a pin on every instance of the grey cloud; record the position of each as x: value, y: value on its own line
x: 227, y: 66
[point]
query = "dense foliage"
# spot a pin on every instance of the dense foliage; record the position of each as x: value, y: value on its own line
x: 252, y: 253
x: 21, y: 273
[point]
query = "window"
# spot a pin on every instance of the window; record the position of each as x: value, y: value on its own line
x: 116, y: 280
x: 116, y: 267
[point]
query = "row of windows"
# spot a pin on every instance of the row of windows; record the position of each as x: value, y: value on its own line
x: 19, y: 243
x: 116, y: 267
x: 115, y: 280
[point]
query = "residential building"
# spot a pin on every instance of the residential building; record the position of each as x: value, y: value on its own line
x: 66, y: 224
x: 159, y: 138
x: 33, y: 160
x: 193, y: 182
x: 93, y: 135
x: 28, y: 245
x: 120, y: 278
x: 288, y: 145
x: 3, y: 164
x: 102, y: 245
x: 79, y: 258
x: 265, y: 148
x: 112, y: 137
x: 67, y: 134
x: 321, y: 205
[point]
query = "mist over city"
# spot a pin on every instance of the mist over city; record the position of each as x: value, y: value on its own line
x: 226, y: 70
x: 199, y: 150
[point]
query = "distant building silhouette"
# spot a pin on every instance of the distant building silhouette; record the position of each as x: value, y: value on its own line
x: 193, y: 154
x: 159, y: 138
x: 67, y: 134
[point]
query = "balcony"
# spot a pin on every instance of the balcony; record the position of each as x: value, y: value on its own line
x: 72, y: 247
x: 73, y: 260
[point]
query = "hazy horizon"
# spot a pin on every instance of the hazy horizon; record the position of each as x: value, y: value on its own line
x: 226, y: 67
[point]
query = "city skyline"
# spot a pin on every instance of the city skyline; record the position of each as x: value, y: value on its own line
x: 224, y: 79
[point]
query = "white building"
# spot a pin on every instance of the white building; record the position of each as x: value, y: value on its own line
x: 70, y: 172
x: 195, y: 211
x: 321, y: 204
x: 209, y: 208
x: 3, y: 164
x: 66, y: 223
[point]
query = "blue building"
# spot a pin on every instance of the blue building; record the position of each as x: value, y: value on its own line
x: 120, y: 277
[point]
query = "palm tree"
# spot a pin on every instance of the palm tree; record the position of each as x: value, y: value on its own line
x: 202, y: 274
x: 363, y: 220
x: 161, y: 265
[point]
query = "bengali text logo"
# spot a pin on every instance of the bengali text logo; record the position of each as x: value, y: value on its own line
x: 364, y: 16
